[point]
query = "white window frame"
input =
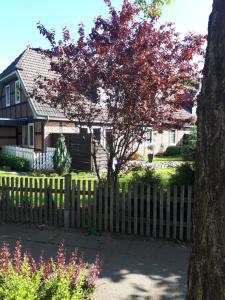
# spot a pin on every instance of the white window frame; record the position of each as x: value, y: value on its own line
x: 29, y: 144
x: 7, y: 99
x: 16, y: 100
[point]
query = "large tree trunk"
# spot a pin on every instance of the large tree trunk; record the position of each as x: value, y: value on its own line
x: 206, y: 278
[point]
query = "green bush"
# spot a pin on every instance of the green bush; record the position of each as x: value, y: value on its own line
x: 61, y: 158
x: 148, y: 177
x: 15, y: 163
x: 189, y: 149
x: 185, y: 175
x: 22, y: 277
x: 173, y: 151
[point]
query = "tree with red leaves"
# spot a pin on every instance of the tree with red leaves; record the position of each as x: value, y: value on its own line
x: 126, y: 75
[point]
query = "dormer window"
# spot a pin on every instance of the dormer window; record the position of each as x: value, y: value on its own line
x: 7, y: 96
x: 17, y: 92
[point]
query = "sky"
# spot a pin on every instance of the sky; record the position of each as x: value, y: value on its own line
x: 19, y: 18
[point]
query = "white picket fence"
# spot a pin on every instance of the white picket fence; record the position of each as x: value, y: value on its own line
x: 38, y: 160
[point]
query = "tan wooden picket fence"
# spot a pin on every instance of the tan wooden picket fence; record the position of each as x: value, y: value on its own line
x: 141, y: 209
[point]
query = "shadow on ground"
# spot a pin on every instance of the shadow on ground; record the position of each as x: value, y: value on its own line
x: 133, y: 269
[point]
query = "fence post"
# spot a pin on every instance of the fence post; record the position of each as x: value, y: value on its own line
x: 68, y: 180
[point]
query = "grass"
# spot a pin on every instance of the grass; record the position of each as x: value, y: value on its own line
x: 165, y: 159
x: 165, y: 175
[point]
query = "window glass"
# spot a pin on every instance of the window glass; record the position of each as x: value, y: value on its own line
x: 173, y: 137
x: 7, y: 95
x: 97, y: 134
x: 31, y: 135
x: 17, y: 92
x: 149, y: 136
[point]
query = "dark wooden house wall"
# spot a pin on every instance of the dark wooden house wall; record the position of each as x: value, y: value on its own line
x: 14, y: 111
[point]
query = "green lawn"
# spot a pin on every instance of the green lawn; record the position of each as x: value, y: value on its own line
x: 165, y: 159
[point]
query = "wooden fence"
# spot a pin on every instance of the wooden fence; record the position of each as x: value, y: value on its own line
x: 163, y: 212
x: 38, y: 160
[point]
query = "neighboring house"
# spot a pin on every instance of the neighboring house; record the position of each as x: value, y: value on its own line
x: 28, y: 124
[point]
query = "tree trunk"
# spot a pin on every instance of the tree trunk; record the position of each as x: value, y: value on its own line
x: 206, y: 278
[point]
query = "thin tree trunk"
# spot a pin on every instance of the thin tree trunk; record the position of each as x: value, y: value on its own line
x: 206, y: 276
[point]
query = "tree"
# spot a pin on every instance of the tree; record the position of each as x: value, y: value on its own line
x: 126, y: 75
x: 61, y: 158
x: 206, y: 279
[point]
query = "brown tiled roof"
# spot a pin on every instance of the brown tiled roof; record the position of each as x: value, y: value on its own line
x: 30, y: 64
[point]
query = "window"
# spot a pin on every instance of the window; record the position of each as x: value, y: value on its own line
x: 173, y: 137
x: 97, y: 134
x: 28, y: 135
x: 7, y: 95
x: 149, y: 136
x: 31, y: 135
x: 17, y: 92
x: 83, y: 130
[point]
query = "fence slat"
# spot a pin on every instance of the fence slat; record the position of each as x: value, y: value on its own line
x: 83, y: 204
x: 17, y: 198
x: 174, y: 212
x: 35, y: 201
x: 154, y: 211
x: 135, y: 209
x: 117, y: 202
x: 89, y: 205
x: 67, y: 199
x: 21, y: 200
x: 12, y: 199
x: 78, y: 205
x: 181, y: 233
x: 129, y: 210
x: 142, y: 187
x: 123, y: 206
x: 168, y: 213
x: 94, y: 206
x: 26, y: 200
x: 40, y: 216
x: 46, y: 202
x: 7, y: 199
x: 55, y: 202
x: 50, y: 204
x: 73, y: 204
x: 161, y: 213
x: 111, y: 206
x: 31, y: 200
x: 148, y: 212
x: 61, y: 203
x: 106, y: 192
x: 100, y: 208
x: 189, y: 213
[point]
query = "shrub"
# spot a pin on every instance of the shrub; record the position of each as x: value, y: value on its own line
x: 22, y: 277
x: 184, y: 175
x: 61, y: 158
x: 173, y: 151
x: 189, y: 149
x: 15, y: 163
x: 148, y: 177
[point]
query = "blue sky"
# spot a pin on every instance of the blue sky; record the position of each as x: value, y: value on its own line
x: 19, y: 18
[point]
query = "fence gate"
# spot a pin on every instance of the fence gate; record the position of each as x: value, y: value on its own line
x: 79, y: 147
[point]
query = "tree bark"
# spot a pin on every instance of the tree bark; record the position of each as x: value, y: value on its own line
x: 206, y: 276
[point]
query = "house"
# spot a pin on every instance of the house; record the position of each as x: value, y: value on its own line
x: 27, y: 126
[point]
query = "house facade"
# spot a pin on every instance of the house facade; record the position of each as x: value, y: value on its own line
x: 28, y: 124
